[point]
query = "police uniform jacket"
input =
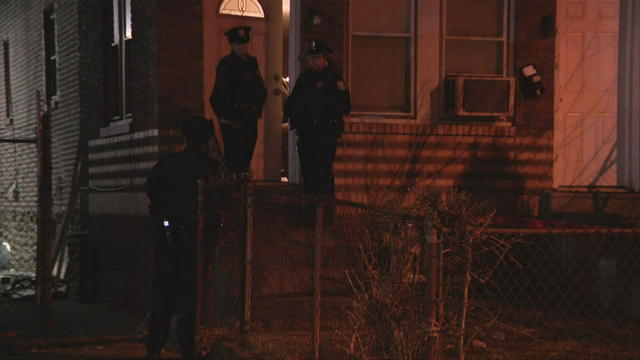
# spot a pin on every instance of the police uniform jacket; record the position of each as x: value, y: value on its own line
x: 172, y: 185
x: 239, y: 93
x: 316, y: 101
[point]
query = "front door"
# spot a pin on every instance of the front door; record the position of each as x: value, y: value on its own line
x: 586, y: 85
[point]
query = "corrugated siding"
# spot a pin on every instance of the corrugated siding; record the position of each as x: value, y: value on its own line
x: 66, y: 117
x: 21, y: 23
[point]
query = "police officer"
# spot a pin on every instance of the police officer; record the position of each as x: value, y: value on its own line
x: 315, y: 110
x: 237, y: 99
x: 172, y: 187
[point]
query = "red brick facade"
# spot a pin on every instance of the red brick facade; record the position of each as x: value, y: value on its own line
x: 508, y: 166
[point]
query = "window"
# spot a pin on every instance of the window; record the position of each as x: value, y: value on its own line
x: 248, y: 8
x: 121, y: 19
x: 478, y: 30
x: 50, y: 55
x: 118, y: 28
x: 381, y: 56
x: 7, y: 82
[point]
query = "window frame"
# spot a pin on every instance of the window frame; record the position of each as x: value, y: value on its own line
x: 120, y: 43
x: 128, y: 22
x: 505, y: 38
x: 223, y: 10
x: 412, y: 35
x: 117, y: 115
x: 508, y: 33
x: 52, y: 80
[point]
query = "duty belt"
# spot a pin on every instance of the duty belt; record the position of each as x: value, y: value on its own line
x: 243, y: 106
x: 171, y: 224
x: 319, y: 122
x: 178, y: 221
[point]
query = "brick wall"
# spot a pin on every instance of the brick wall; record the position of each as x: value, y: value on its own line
x: 166, y: 65
x: 180, y: 54
x: 533, y: 47
x: 494, y: 163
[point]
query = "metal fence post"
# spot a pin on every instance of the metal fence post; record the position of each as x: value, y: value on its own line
x: 434, y: 268
x: 247, y: 191
x: 468, y: 260
x: 43, y: 324
x: 317, y: 270
x: 201, y: 265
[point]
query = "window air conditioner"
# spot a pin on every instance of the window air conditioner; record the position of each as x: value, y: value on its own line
x: 478, y: 96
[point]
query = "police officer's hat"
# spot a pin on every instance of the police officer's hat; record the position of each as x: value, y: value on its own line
x: 197, y: 129
x: 238, y: 34
x: 317, y: 47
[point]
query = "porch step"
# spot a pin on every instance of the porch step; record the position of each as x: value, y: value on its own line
x: 593, y: 206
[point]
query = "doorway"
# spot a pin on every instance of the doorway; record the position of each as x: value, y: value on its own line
x: 216, y: 46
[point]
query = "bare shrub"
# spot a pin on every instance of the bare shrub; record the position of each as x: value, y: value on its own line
x: 411, y: 298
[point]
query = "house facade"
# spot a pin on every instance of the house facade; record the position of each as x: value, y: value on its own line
x: 519, y: 102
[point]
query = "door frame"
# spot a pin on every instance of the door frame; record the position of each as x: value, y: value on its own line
x: 629, y: 95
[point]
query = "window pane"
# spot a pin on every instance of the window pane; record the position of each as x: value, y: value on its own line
x: 381, y: 74
x: 116, y: 22
x: 475, y: 17
x: 49, y: 34
x: 249, y: 8
x: 51, y: 77
x: 7, y: 80
x: 50, y: 54
x: 127, y: 25
x: 385, y: 16
x: 473, y: 57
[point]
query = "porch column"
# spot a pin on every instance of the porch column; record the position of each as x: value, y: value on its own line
x: 629, y: 95
x: 272, y: 78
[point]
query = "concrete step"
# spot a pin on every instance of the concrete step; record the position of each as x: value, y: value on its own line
x: 612, y: 207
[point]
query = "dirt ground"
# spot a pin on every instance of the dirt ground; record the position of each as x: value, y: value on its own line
x: 80, y: 331
x: 89, y: 331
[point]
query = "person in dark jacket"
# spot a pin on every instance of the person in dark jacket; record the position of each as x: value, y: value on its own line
x: 315, y: 110
x: 172, y: 187
x: 237, y: 99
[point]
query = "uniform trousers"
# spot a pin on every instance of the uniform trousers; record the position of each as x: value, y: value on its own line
x: 317, y: 150
x: 239, y: 142
x: 174, y: 288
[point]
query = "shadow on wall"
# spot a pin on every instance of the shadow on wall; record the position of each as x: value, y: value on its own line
x: 491, y: 176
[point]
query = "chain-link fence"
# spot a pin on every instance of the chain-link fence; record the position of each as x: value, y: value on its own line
x: 18, y: 227
x: 280, y: 270
x: 27, y: 229
x: 300, y: 277
x: 568, y: 293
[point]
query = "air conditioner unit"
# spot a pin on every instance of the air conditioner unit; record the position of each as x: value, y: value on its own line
x: 478, y: 96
